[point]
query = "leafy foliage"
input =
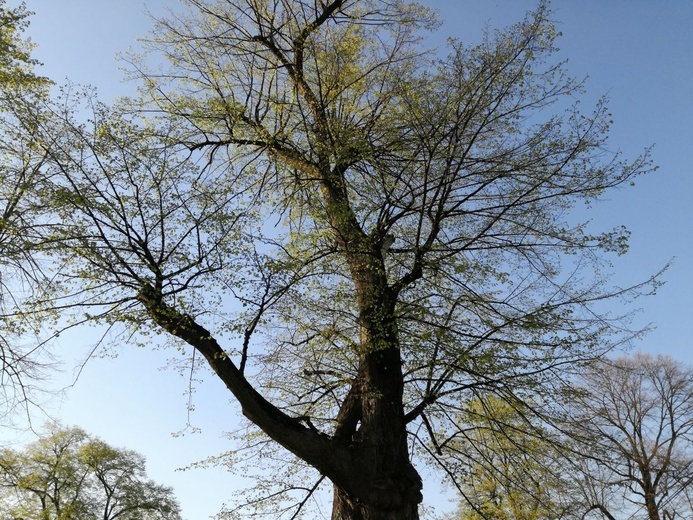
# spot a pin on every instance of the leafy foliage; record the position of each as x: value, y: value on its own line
x: 622, y: 449
x: 67, y: 474
x: 515, y: 470
x: 358, y: 236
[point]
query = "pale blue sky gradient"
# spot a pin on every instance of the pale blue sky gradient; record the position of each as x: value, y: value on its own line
x: 640, y: 52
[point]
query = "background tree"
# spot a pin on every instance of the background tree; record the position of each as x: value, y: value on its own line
x: 67, y: 475
x: 355, y: 234
x: 513, y: 470
x: 21, y: 159
x: 636, y: 416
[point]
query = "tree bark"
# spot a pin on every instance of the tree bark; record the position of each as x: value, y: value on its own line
x: 651, y: 505
x: 603, y: 510
x: 345, y: 508
x: 372, y: 413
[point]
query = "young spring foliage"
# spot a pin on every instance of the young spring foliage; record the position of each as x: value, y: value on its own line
x: 514, y: 469
x: 68, y: 474
x: 355, y: 233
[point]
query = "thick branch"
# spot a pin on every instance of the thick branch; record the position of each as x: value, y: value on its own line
x: 319, y: 450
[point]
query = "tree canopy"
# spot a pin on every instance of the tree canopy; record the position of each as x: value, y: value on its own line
x: 622, y: 449
x: 356, y: 234
x: 635, y: 415
x: 67, y: 474
x: 514, y: 469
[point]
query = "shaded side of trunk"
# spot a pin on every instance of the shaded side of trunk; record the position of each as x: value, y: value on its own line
x: 372, y: 416
x: 344, y: 508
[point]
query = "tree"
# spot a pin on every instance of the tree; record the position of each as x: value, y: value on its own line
x: 355, y: 234
x: 514, y: 470
x: 67, y: 475
x: 21, y: 161
x: 636, y: 414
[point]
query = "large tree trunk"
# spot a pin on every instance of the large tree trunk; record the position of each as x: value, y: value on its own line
x: 368, y: 454
x: 372, y: 416
x: 344, y: 508
x: 651, y: 505
x: 390, y: 487
x: 393, y: 488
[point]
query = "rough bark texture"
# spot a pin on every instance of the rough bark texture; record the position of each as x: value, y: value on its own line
x: 345, y: 508
x: 651, y: 505
x: 372, y: 415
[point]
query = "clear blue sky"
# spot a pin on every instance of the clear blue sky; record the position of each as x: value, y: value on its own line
x: 640, y: 52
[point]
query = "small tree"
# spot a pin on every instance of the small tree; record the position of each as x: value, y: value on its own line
x: 636, y: 416
x: 69, y: 475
